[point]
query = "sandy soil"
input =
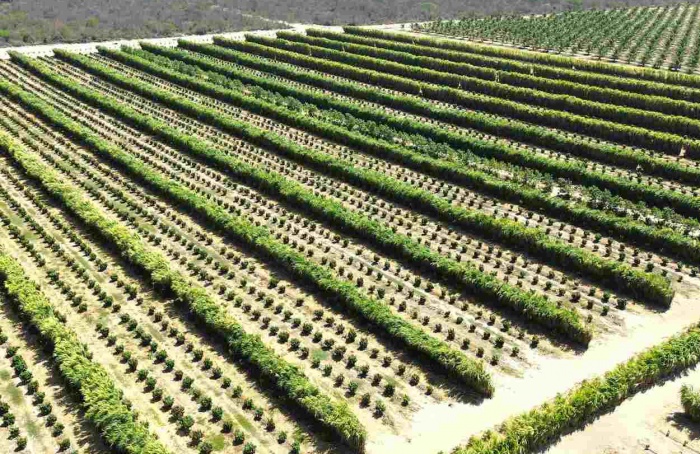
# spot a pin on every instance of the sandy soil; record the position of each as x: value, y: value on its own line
x: 444, y: 426
x: 651, y: 422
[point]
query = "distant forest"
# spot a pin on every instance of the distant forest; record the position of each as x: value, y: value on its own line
x: 24, y: 22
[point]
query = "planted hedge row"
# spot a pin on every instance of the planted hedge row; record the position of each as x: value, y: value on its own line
x: 424, y: 45
x: 513, y: 73
x: 238, y: 52
x: 687, y: 205
x: 646, y: 286
x: 690, y: 399
x: 452, y: 272
x: 537, y: 428
x: 660, y: 114
x: 259, y: 239
x: 485, y: 286
x: 513, y: 129
x: 101, y: 399
x: 532, y: 241
x: 576, y: 172
x: 579, y: 64
x: 667, y: 239
x: 287, y: 380
x: 413, y: 80
x: 650, y: 287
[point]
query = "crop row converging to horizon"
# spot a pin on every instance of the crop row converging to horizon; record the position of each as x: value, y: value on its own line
x: 294, y: 244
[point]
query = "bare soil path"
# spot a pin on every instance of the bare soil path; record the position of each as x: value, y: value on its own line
x: 444, y: 426
x: 652, y: 421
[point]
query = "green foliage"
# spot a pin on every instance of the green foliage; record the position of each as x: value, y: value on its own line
x: 639, y: 35
x: 556, y: 95
x: 286, y: 378
x: 101, y: 398
x: 260, y: 240
x: 533, y: 430
x: 521, y: 131
x: 690, y: 399
x: 489, y: 96
x: 574, y: 171
x: 653, y: 75
x: 512, y: 60
x: 666, y: 240
x: 532, y: 241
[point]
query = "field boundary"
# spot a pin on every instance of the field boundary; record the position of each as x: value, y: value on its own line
x: 46, y: 50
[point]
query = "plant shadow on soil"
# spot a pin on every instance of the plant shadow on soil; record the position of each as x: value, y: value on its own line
x: 318, y: 439
x: 454, y: 389
x: 518, y: 321
x: 540, y: 449
x: 450, y: 387
x: 321, y: 442
x: 558, y: 341
x: 682, y: 422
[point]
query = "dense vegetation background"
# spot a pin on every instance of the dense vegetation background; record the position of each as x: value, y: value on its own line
x: 45, y: 21
x: 35, y: 22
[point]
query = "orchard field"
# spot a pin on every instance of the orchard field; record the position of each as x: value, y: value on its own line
x: 339, y: 242
x: 666, y: 37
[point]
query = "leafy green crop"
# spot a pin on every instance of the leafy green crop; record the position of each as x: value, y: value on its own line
x: 533, y: 241
x: 535, y: 429
x: 262, y: 242
x: 100, y: 397
x: 286, y: 379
